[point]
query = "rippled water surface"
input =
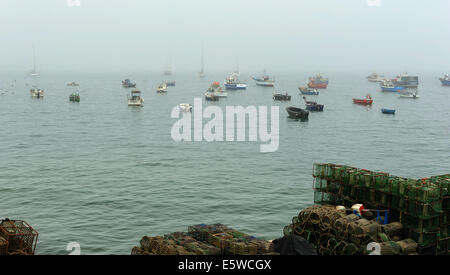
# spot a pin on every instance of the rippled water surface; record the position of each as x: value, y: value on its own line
x: 104, y: 174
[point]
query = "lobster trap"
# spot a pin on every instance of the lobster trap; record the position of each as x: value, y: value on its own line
x: 20, y: 237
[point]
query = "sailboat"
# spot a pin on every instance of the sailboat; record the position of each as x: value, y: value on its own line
x: 168, y: 71
x: 34, y: 72
x: 201, y: 74
x: 236, y: 72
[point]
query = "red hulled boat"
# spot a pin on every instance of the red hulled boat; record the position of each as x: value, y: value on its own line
x: 316, y: 85
x: 367, y: 101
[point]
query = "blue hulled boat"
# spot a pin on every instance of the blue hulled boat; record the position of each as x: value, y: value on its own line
x: 388, y: 86
x: 308, y: 91
x: 445, y: 80
x: 313, y: 106
x: 388, y: 111
x: 232, y: 83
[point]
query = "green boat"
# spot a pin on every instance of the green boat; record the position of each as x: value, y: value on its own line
x: 74, y: 97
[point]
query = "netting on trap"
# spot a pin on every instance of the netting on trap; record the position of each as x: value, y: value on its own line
x: 20, y: 236
x: 423, y: 204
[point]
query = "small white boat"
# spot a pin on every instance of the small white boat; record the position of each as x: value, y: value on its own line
x: 135, y: 98
x: 409, y: 95
x: 185, y: 107
x: 162, y: 88
x: 36, y: 92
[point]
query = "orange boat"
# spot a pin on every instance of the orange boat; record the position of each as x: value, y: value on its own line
x: 367, y: 101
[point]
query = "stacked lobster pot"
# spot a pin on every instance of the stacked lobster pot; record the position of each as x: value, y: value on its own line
x: 421, y: 205
x: 202, y: 239
x: 338, y: 232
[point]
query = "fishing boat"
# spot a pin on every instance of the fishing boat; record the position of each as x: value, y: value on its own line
x: 216, y: 90
x: 367, y: 101
x: 297, y: 113
x: 281, y: 97
x: 388, y: 111
x: 313, y: 106
x: 74, y: 97
x: 128, y: 84
x: 135, y: 98
x: 318, y: 82
x: 388, y: 86
x: 36, y: 92
x: 162, y: 88
x: 185, y: 107
x: 374, y: 77
x: 211, y: 97
x: 263, y: 78
x: 170, y: 83
x: 232, y: 83
x: 265, y: 83
x: 406, y: 81
x: 409, y: 95
x: 308, y: 91
x: 73, y: 84
x: 445, y: 80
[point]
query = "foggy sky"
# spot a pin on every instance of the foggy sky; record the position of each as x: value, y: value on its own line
x: 278, y: 35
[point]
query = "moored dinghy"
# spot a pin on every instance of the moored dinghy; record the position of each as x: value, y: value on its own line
x: 313, y: 106
x: 211, y: 96
x: 388, y: 111
x: 297, y: 113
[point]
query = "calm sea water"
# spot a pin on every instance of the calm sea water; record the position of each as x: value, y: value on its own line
x: 104, y: 174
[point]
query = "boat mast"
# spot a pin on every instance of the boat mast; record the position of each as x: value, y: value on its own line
x: 201, y: 71
x: 34, y: 59
x: 237, y: 64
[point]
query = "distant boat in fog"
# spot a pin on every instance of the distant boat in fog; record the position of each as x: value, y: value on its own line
x: 34, y: 72
x: 201, y: 74
x: 168, y: 71
x: 445, y: 80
